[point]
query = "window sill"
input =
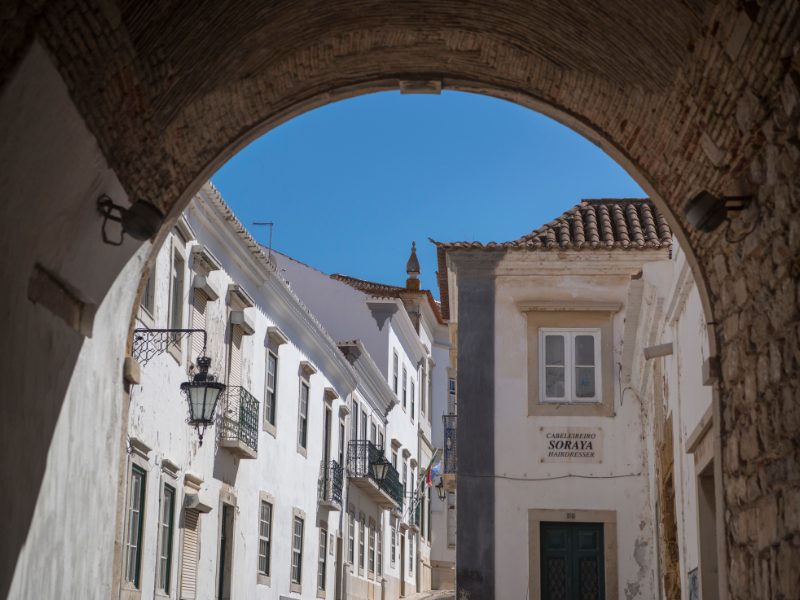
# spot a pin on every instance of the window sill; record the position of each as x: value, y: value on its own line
x: 296, y: 588
x: 128, y: 592
x: 270, y: 428
x: 302, y: 451
x: 321, y: 594
x: 571, y: 409
x: 263, y: 579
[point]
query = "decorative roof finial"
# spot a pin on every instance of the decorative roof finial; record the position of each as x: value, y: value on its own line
x: 412, y: 269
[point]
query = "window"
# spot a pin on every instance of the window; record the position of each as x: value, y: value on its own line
x: 568, y: 363
x: 363, y: 425
x: 297, y: 550
x: 166, y: 529
x: 422, y: 391
x: 393, y: 549
x: 451, y: 396
x: 323, y: 558
x: 413, y: 395
x: 371, y: 533
x: 264, y: 536
x: 395, y: 364
x: 379, y: 443
x: 411, y: 541
x: 405, y: 477
x: 302, y: 426
x: 341, y: 442
x: 149, y: 295
x: 373, y: 433
x: 354, y: 422
x: 271, y: 395
x: 361, y: 552
x: 394, y: 458
x: 405, y: 388
x: 176, y: 291
x: 379, y: 558
x: 351, y: 538
x: 135, y: 525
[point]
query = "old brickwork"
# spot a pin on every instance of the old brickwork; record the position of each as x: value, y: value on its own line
x: 687, y: 95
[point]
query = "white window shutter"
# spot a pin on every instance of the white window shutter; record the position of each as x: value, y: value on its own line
x: 191, y: 554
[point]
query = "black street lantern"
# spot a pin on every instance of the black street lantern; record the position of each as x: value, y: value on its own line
x: 440, y: 491
x: 380, y: 467
x: 202, y: 393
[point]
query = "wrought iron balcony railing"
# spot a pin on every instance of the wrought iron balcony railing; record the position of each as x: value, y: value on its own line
x: 450, y: 438
x: 361, y: 458
x: 239, y: 422
x: 330, y: 484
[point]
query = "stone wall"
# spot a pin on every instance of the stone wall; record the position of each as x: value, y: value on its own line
x: 686, y: 96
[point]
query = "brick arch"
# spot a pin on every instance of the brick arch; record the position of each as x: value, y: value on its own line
x: 686, y: 95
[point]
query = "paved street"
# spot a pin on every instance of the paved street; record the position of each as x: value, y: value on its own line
x: 436, y: 595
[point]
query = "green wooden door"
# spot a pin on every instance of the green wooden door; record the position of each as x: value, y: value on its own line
x: 572, y: 561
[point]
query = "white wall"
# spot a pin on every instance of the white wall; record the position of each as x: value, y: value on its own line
x: 618, y: 484
x: 61, y: 419
x: 157, y: 417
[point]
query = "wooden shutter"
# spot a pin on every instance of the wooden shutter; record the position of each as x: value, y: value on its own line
x: 199, y: 303
x: 191, y: 554
x: 235, y: 361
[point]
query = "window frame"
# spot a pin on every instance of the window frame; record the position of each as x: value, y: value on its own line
x: 141, y: 472
x: 412, y: 402
x: 322, y: 559
x: 351, y: 538
x: 569, y: 334
x: 361, y: 544
x: 371, y: 548
x: 405, y: 388
x: 175, y: 300
x: 295, y: 583
x: 393, y: 552
x: 302, y: 420
x: 265, y: 577
x: 271, y: 394
x: 395, y: 372
x: 161, y: 574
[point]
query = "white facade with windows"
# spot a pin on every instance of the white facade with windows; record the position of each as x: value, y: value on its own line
x: 603, y: 469
x: 250, y: 513
x: 407, y: 340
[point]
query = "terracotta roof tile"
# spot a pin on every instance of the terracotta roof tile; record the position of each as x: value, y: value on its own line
x: 382, y: 290
x: 616, y: 223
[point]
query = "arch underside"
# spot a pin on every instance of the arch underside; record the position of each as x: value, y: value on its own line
x: 686, y: 95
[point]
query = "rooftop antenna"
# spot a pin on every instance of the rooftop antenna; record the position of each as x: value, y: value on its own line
x: 269, y: 224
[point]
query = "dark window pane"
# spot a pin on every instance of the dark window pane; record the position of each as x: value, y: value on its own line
x: 584, y: 350
x: 584, y: 382
x: 554, y: 349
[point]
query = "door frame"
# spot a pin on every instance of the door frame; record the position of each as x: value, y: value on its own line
x: 609, y: 520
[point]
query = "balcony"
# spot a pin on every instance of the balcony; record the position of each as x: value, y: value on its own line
x: 239, y: 422
x: 450, y: 463
x: 361, y: 456
x: 330, y: 485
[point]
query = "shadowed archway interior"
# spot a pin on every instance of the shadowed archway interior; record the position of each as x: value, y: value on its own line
x: 686, y: 95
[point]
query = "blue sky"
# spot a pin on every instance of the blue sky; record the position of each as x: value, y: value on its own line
x: 351, y: 184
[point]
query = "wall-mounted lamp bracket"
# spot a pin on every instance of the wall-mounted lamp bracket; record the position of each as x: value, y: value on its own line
x: 149, y: 343
x: 141, y: 221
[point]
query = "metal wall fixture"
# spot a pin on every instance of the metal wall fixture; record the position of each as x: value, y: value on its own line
x: 440, y: 491
x: 141, y: 221
x: 203, y: 391
x: 705, y: 211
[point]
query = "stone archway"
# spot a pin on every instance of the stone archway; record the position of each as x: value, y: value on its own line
x: 694, y: 95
